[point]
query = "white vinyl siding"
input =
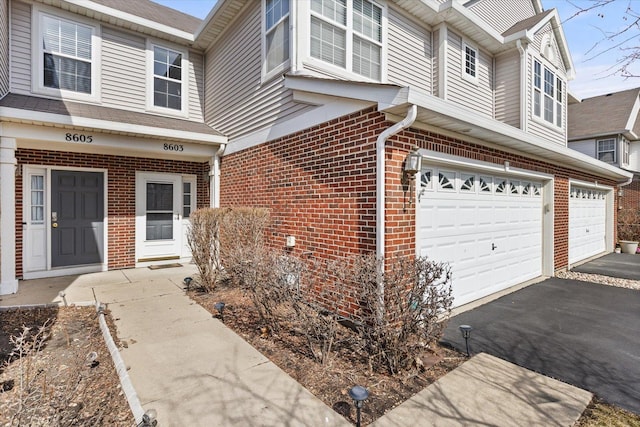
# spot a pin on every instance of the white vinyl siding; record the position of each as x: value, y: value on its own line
x: 20, y: 47
x: 196, y: 86
x: 237, y: 103
x: 409, y: 53
x: 461, y: 91
x: 276, y: 50
x: 4, y: 47
x: 123, y: 70
x: 507, y: 102
x: 506, y: 15
x: 587, y: 147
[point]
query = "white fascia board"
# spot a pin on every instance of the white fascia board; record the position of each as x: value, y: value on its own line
x: 633, y: 116
x: 137, y: 20
x: 458, y: 7
x: 106, y: 125
x: 209, y: 18
x: 384, y: 95
x: 475, y: 119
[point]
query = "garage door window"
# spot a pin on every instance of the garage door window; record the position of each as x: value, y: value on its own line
x: 446, y: 180
x: 468, y: 183
x: 514, y: 187
x: 485, y: 182
x: 501, y: 186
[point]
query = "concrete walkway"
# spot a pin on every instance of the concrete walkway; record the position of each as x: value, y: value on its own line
x: 194, y: 371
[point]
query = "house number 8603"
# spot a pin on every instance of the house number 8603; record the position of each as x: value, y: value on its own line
x: 174, y: 147
x: 78, y: 137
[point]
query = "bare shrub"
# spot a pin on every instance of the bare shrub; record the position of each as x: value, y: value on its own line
x: 204, y: 240
x: 629, y: 224
x: 242, y: 230
x: 49, y: 395
x: 328, y: 282
x: 404, y: 308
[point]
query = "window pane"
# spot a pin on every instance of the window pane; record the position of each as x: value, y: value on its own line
x: 470, y: 62
x: 167, y: 85
x: 536, y: 104
x: 367, y: 19
x: 548, y: 82
x: 278, y: 45
x: 328, y: 43
x: 366, y: 58
x: 548, y: 109
x: 159, y: 197
x: 37, y: 182
x: 335, y: 10
x: 537, y: 74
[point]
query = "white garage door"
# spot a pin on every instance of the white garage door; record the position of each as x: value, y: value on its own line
x: 489, y: 228
x: 587, y: 223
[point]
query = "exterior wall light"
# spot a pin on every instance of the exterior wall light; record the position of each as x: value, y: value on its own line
x: 466, y: 334
x: 359, y: 394
x: 413, y: 162
x: 412, y: 165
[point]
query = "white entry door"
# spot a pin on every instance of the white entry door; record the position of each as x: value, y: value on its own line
x: 489, y: 228
x: 159, y: 234
x: 587, y: 223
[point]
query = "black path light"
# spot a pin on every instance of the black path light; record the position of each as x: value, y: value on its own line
x: 149, y: 419
x: 359, y: 394
x: 466, y: 334
x: 187, y: 282
x: 220, y: 307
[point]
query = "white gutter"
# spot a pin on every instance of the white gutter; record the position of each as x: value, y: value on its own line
x: 380, y: 176
x: 523, y: 85
x: 214, y: 178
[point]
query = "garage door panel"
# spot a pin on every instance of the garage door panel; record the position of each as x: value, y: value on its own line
x: 491, y: 237
x: 587, y: 223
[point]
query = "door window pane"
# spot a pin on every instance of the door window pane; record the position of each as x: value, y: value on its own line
x: 37, y: 199
x: 186, y: 199
x: 159, y: 211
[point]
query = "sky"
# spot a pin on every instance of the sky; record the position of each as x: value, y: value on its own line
x: 595, y: 67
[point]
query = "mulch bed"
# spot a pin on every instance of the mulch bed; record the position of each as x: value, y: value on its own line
x: 331, y: 382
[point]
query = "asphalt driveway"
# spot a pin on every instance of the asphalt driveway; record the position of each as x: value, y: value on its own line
x: 625, y: 266
x: 584, y: 334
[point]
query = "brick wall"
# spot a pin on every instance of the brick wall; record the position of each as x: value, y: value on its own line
x: 121, y: 194
x: 320, y: 185
x: 631, y: 194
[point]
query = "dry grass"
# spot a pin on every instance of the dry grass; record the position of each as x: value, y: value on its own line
x: 601, y: 414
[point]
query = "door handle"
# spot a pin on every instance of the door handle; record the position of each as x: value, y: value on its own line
x: 493, y: 247
x: 54, y: 225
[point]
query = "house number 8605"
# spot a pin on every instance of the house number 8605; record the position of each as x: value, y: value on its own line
x: 78, y: 137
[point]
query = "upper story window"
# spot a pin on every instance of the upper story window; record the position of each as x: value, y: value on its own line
x: 276, y: 24
x: 548, y: 94
x: 348, y: 34
x: 625, y: 152
x: 607, y: 150
x: 168, y: 77
x: 470, y: 66
x: 65, y: 55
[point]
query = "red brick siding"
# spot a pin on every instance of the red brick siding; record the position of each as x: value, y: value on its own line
x: 320, y: 185
x: 121, y: 194
x: 631, y: 194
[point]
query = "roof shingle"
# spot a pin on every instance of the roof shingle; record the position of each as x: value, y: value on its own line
x: 601, y: 115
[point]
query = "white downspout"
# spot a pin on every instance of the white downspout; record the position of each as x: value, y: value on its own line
x: 214, y: 178
x: 380, y: 176
x: 524, y: 104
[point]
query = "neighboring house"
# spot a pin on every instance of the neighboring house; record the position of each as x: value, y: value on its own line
x: 607, y: 128
x: 316, y: 105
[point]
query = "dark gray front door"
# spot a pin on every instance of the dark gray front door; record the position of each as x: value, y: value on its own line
x: 77, y: 218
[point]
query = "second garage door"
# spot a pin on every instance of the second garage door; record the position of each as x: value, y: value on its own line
x: 488, y: 227
x: 587, y: 223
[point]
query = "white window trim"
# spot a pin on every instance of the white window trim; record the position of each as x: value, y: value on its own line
x: 463, y: 68
x: 614, y: 151
x: 304, y: 11
x: 626, y: 148
x: 37, y: 60
x: 184, y: 110
x: 540, y: 119
x: 268, y: 75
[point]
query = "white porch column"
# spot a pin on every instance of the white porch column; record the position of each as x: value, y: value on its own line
x: 8, y: 281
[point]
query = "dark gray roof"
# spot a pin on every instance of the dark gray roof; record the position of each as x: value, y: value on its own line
x: 602, y: 115
x: 527, y: 24
x: 89, y: 111
x: 155, y: 12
